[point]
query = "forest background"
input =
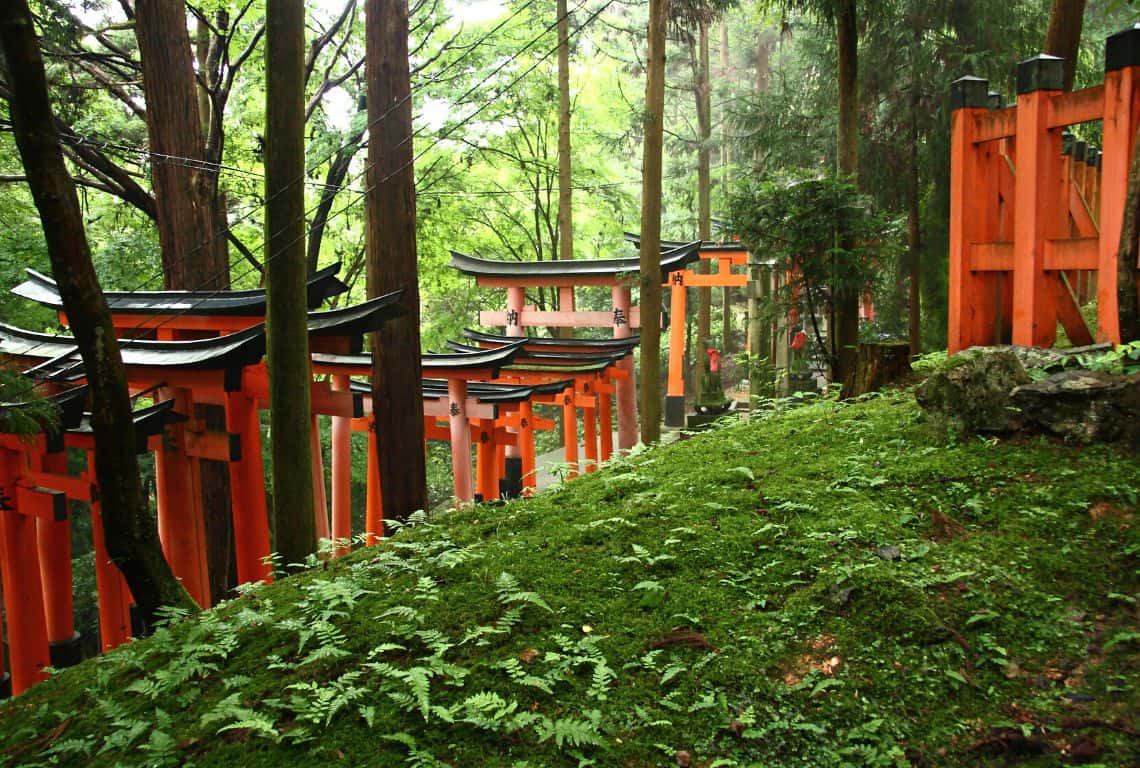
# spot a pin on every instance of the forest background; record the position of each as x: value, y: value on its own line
x: 486, y: 124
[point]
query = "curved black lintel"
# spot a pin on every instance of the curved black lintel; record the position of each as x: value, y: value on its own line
x: 617, y: 269
x: 542, y: 356
x: 493, y: 359
x: 323, y: 285
x: 529, y: 342
x: 707, y: 246
x: 357, y: 319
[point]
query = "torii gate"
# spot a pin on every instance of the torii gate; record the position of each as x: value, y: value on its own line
x: 616, y: 274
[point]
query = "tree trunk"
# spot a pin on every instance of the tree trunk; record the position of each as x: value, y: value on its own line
x: 704, y: 182
x: 650, y: 254
x: 195, y: 255
x: 1127, y: 301
x: 726, y: 343
x: 913, y: 220
x: 338, y: 170
x: 391, y: 236
x: 565, y: 176
x: 130, y: 531
x: 845, y: 331
x: 184, y: 192
x: 288, y: 342
x: 1064, y: 35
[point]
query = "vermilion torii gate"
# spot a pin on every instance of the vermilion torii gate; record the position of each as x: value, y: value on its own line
x: 616, y: 274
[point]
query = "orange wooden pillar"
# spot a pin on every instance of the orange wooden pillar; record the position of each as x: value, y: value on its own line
x: 973, y: 216
x: 486, y: 470
x: 570, y: 432
x: 589, y: 403
x: 374, y: 505
x: 605, y: 421
x: 1038, y: 189
x: 247, y: 490
x: 341, y: 471
x: 23, y: 591
x: 626, y: 388
x: 320, y: 502
x: 675, y: 390
x: 180, y: 525
x: 1121, y: 118
x: 53, y: 539
x: 114, y: 596
x: 526, y: 445
x: 460, y: 434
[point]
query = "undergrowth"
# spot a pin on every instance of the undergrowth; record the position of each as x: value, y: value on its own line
x: 825, y: 587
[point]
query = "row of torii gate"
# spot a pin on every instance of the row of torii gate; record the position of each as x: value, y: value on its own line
x: 184, y: 348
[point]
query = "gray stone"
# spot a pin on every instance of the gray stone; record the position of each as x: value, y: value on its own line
x: 1083, y: 406
x: 971, y: 392
x: 889, y: 552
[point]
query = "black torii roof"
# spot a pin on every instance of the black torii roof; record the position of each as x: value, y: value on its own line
x: 148, y: 421
x: 251, y: 303
x: 61, y: 355
x: 672, y: 259
x: 493, y: 359
x: 705, y: 245
x: 540, y: 356
x: 534, y: 342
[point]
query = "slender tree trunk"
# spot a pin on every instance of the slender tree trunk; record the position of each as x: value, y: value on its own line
x: 702, y: 90
x: 338, y: 170
x: 1064, y: 35
x: 845, y: 331
x: 726, y: 342
x: 565, y: 174
x: 1127, y: 301
x: 195, y: 256
x: 130, y: 531
x: 650, y: 261
x: 913, y: 221
x: 184, y: 192
x: 288, y: 342
x: 391, y: 234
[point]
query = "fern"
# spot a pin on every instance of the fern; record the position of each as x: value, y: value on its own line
x: 568, y: 731
x: 507, y: 588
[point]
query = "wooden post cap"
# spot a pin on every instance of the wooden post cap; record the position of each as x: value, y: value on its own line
x: 1122, y: 49
x: 1041, y: 73
x: 1080, y: 151
x: 969, y: 92
x: 1067, y: 140
x: 993, y: 100
x: 1092, y: 158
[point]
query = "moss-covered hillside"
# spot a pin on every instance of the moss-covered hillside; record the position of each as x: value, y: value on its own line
x: 830, y: 586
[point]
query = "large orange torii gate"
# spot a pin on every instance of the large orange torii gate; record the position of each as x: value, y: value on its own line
x: 1026, y: 217
x: 616, y: 274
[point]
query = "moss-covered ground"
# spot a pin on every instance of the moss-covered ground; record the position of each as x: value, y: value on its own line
x: 829, y: 586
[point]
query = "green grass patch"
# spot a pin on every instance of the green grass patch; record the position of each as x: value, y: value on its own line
x: 829, y: 586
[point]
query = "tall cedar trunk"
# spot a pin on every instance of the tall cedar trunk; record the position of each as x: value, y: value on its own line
x: 913, y: 223
x: 760, y: 332
x: 845, y: 332
x: 565, y: 177
x: 1064, y: 35
x: 186, y: 202
x: 184, y: 193
x: 130, y: 531
x: 288, y: 342
x: 1127, y: 301
x: 650, y: 261
x: 726, y: 342
x: 391, y: 235
x: 704, y: 181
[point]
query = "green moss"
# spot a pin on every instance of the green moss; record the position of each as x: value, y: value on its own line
x: 736, y: 596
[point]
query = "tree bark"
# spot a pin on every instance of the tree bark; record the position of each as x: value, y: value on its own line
x: 702, y: 91
x: 130, y: 531
x: 650, y: 253
x: 391, y: 238
x: 288, y: 338
x: 726, y: 343
x: 184, y: 192
x: 1064, y: 35
x: 1127, y: 300
x: 845, y: 330
x: 187, y: 206
x: 913, y: 218
x: 565, y: 171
